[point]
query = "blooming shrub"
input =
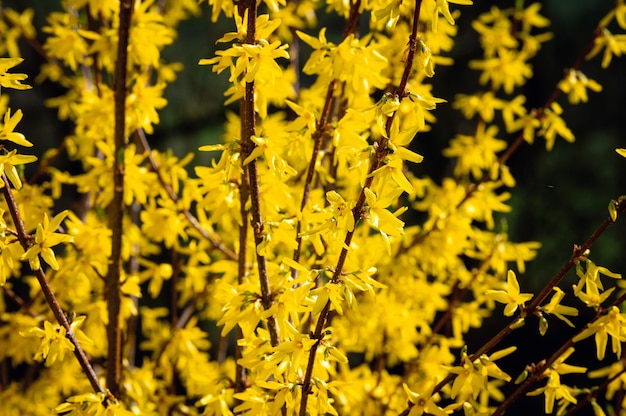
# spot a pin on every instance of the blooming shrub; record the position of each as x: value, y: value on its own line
x: 296, y: 240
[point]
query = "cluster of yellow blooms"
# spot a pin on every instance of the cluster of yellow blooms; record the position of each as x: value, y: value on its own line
x: 293, y: 241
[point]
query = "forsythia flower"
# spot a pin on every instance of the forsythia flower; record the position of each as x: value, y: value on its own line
x: 423, y: 402
x: 575, y: 85
x: 555, y: 308
x: 7, y: 133
x: 45, y: 238
x: 612, y: 324
x: 511, y: 297
x: 11, y: 80
x: 554, y: 390
x: 8, y: 163
x: 54, y: 343
x: 508, y: 70
x: 552, y: 124
x: 612, y: 45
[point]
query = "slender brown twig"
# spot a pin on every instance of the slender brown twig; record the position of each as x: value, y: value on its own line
x: 251, y: 169
x: 533, y: 307
x: 596, y: 392
x: 538, y: 372
x: 116, y: 208
x: 358, y: 211
x: 59, y: 315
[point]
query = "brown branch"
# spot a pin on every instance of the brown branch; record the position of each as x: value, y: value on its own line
x: 244, y: 194
x: 541, y: 297
x: 59, y: 315
x: 321, y: 131
x: 247, y: 146
x: 357, y: 212
x: 538, y: 373
x: 116, y: 208
x: 596, y: 392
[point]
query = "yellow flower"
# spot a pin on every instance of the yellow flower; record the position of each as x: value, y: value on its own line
x: 612, y: 324
x: 11, y: 80
x: 612, y: 45
x: 552, y: 124
x: 423, y: 402
x: 8, y: 163
x: 475, y: 153
x: 575, y: 85
x: 45, y: 238
x: 7, y: 132
x: 621, y: 152
x: 382, y: 219
x: 507, y: 70
x: 511, y: 297
x: 554, y: 390
x: 54, y: 343
x: 555, y: 308
x: 443, y: 7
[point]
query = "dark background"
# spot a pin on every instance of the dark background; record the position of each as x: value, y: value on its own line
x: 561, y: 196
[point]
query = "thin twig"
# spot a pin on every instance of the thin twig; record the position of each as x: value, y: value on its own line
x: 541, y: 297
x: 59, y: 315
x: 242, y: 271
x: 247, y: 146
x: 539, y: 371
x: 116, y: 208
x: 357, y: 212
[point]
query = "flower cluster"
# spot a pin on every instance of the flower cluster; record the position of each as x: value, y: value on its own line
x: 309, y: 268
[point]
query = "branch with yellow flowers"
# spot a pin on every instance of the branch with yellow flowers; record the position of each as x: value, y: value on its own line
x: 516, y: 300
x: 116, y: 208
x: 556, y: 361
x: 33, y: 256
x: 532, y: 121
x: 382, y: 150
x: 248, y: 120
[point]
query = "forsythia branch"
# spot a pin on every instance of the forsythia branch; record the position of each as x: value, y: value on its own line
x: 116, y: 208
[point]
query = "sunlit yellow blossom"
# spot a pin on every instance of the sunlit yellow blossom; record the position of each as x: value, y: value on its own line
x: 443, y: 7
x: 475, y: 153
x: 45, y: 238
x: 554, y: 390
x: 483, y: 104
x: 7, y: 133
x: 11, y: 80
x: 508, y: 70
x: 381, y: 218
x: 21, y: 26
x: 530, y: 17
x: 511, y: 297
x: 495, y: 32
x: 560, y: 311
x: 148, y: 35
x: 611, y: 324
x: 472, y: 377
x: 54, y: 343
x: 552, y: 124
x: 612, y: 45
x: 8, y: 163
x: 423, y: 402
x: 575, y: 85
